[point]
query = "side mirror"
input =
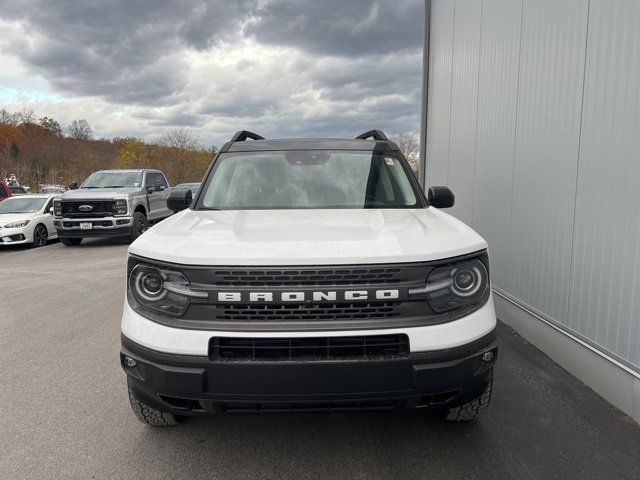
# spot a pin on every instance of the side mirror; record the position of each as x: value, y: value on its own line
x: 150, y: 189
x: 159, y: 187
x: 73, y: 186
x: 51, y: 211
x: 441, y: 197
x: 179, y: 200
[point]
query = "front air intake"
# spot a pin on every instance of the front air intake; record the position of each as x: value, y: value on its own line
x: 368, y: 347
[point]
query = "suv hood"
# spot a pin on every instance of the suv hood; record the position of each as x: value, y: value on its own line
x: 307, y: 237
x: 91, y: 193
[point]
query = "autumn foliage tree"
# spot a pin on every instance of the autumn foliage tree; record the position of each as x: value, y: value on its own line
x: 80, y: 130
x: 38, y: 153
x: 132, y: 154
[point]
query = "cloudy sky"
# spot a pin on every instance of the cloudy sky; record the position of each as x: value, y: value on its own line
x: 281, y: 68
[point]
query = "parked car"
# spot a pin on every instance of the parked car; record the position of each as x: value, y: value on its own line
x: 308, y: 274
x: 19, y: 190
x: 112, y: 203
x: 194, y: 187
x: 27, y: 219
x: 5, y: 191
x: 55, y: 190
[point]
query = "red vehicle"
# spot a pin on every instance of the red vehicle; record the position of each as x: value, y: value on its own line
x: 5, y: 192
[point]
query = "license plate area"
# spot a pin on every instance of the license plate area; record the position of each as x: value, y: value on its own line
x: 86, y: 225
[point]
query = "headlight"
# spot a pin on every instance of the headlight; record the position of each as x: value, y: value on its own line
x: 456, y: 286
x: 161, y: 290
x: 57, y: 208
x: 120, y: 206
x: 21, y: 224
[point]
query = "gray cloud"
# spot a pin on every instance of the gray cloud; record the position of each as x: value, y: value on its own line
x: 304, y: 68
x: 351, y: 28
x: 125, y: 51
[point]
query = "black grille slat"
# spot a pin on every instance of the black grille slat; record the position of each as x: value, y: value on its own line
x: 308, y: 312
x: 309, y: 348
x: 319, y: 277
x: 99, y: 208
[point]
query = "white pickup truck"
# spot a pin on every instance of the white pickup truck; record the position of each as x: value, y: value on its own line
x: 308, y: 275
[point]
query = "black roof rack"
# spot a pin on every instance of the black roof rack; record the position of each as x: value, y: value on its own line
x: 242, y: 135
x: 375, y: 134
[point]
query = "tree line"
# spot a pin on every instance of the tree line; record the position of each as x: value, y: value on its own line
x: 39, y: 152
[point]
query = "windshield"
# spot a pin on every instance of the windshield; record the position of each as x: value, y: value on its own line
x: 22, y: 205
x: 51, y: 190
x: 308, y: 179
x: 113, y: 180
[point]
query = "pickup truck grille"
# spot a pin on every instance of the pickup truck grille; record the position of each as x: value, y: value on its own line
x: 337, y: 311
x: 99, y: 208
x: 311, y: 348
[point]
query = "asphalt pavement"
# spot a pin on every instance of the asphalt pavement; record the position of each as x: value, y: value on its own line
x: 65, y: 413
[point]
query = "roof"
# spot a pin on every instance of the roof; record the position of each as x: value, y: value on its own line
x: 36, y: 195
x: 309, y: 144
x: 129, y: 170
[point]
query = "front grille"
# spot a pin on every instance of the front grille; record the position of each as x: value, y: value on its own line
x: 99, y: 208
x: 310, y: 348
x: 337, y: 311
x: 315, y: 276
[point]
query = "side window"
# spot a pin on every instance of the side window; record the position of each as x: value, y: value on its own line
x: 49, y: 205
x: 162, y: 181
x: 148, y: 179
x: 154, y: 179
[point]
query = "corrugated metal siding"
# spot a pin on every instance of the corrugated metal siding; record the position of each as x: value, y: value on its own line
x: 605, y: 291
x: 544, y: 153
x: 495, y: 131
x: 439, y: 112
x: 464, y: 95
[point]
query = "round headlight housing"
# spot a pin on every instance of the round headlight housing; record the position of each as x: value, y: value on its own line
x: 150, y: 285
x: 457, y: 286
x: 159, y: 290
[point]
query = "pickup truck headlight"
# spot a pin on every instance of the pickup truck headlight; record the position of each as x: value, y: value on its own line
x: 57, y: 208
x: 120, y: 206
x: 21, y: 224
x: 456, y: 286
x: 161, y: 290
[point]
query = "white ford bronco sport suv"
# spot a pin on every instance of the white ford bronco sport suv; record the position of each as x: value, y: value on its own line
x: 308, y: 275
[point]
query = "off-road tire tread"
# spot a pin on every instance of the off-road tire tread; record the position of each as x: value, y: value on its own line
x: 473, y: 409
x: 149, y: 415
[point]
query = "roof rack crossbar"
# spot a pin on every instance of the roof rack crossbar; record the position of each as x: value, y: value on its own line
x: 242, y: 135
x: 375, y: 134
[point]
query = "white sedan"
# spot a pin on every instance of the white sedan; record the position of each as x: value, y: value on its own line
x: 27, y: 219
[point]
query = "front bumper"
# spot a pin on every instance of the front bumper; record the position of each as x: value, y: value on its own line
x: 193, y: 385
x: 119, y: 226
x: 14, y: 236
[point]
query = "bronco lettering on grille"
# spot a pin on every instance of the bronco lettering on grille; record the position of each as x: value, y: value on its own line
x: 308, y: 296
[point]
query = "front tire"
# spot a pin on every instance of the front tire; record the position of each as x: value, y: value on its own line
x: 70, y: 242
x: 140, y: 225
x: 149, y: 415
x: 40, y: 236
x: 473, y: 408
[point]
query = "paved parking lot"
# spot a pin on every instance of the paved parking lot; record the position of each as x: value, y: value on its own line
x: 65, y: 412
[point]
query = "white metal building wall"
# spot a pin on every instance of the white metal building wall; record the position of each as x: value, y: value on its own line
x: 534, y: 122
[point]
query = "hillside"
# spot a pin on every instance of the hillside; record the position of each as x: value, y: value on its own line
x: 38, y: 152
